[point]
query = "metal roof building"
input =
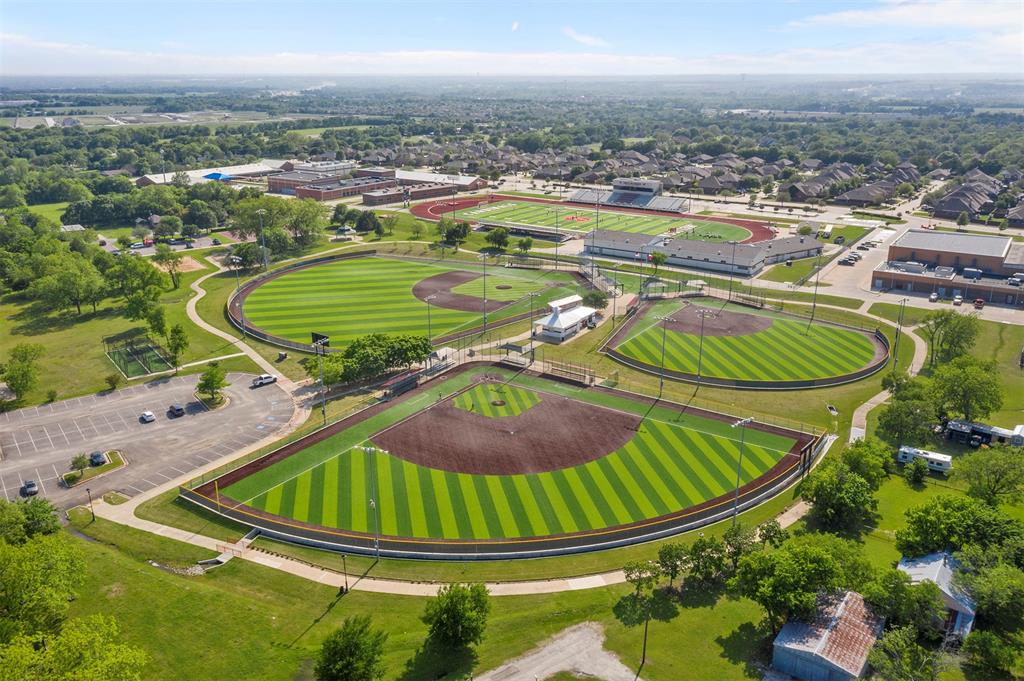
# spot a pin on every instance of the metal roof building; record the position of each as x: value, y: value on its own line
x: 938, y: 568
x: 834, y: 646
x: 980, y: 245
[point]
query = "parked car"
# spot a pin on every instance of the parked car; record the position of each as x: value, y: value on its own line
x: 30, y: 488
x: 863, y: 247
x: 175, y: 410
x: 1013, y: 281
x: 979, y: 303
x: 933, y: 298
x: 848, y: 262
x: 147, y: 417
x: 215, y: 242
x: 263, y: 379
x: 137, y: 245
x: 97, y: 459
x: 839, y: 239
x: 958, y: 300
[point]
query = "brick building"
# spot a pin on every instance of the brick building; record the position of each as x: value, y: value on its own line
x: 396, y: 194
x: 338, y: 189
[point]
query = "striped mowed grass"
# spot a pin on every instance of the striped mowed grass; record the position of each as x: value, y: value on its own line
x: 548, y: 215
x: 665, y: 468
x: 481, y: 399
x: 351, y: 298
x: 787, y: 351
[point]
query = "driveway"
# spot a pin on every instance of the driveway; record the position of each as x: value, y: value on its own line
x: 38, y: 443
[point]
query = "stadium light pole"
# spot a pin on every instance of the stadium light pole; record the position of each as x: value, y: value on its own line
x: 483, y: 256
x: 732, y: 269
x: 558, y: 238
x: 742, y: 424
x: 896, y: 343
x: 237, y: 262
x: 373, y: 502
x: 814, y: 299
x: 703, y: 313
x: 263, y: 241
x: 427, y: 301
x: 532, y: 296
x: 320, y: 352
x: 664, y: 330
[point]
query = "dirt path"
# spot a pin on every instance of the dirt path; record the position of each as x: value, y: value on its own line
x: 578, y: 650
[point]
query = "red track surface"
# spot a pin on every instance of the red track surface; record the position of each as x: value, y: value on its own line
x: 434, y: 210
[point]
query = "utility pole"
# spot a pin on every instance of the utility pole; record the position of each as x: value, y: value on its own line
x: 237, y: 262
x: 814, y: 299
x: 484, y: 257
x: 732, y: 269
x: 320, y: 345
x: 896, y: 343
x: 427, y: 301
x: 742, y: 423
x: 373, y: 502
x: 664, y: 329
x: 700, y: 346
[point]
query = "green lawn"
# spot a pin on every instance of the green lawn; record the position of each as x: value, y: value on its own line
x: 352, y: 298
x: 912, y: 316
x: 53, y: 211
x: 798, y: 270
x: 74, y: 362
x: 666, y: 467
x: 786, y: 351
x: 584, y: 219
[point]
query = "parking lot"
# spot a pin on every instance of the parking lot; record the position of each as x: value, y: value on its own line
x: 38, y: 443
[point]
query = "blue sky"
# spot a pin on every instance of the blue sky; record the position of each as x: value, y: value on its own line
x: 91, y: 37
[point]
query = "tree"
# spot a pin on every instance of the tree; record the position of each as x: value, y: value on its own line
x: 898, y: 657
x: 524, y: 245
x: 177, y: 343
x: 352, y: 652
x: 11, y: 196
x: 212, y: 381
x: 906, y: 422
x: 658, y: 258
x: 968, y: 387
x: 870, y: 459
x: 22, y: 520
x: 596, y: 299
x: 707, y: 559
x: 389, y: 221
x: 998, y: 592
x: 740, y: 541
x: 306, y: 221
x: 79, y: 463
x: 994, y: 476
x: 839, y: 498
x: 200, y: 215
x: 901, y: 602
x: 85, y: 649
x: 771, y: 533
x: 642, y: 574
x: 948, y: 523
x: 180, y: 179
x: 963, y: 219
x: 949, y: 334
x: 804, y: 230
x: 988, y: 652
x: 72, y: 280
x: 170, y: 261
x: 457, y: 617
x: 416, y: 229
x: 169, y: 225
x: 21, y: 372
x: 443, y: 226
x: 786, y: 582
x: 113, y: 380
x: 672, y: 558
x: 457, y: 233
x: 339, y: 214
x: 916, y: 472
x: 156, y: 319
x: 40, y: 576
x: 497, y: 237
x: 367, y: 222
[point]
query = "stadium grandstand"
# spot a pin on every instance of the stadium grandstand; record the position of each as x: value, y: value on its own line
x: 630, y: 192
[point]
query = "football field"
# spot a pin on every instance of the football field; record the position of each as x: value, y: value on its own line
x: 570, y: 217
x: 670, y: 464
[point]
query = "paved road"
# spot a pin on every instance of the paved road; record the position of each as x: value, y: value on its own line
x: 38, y: 442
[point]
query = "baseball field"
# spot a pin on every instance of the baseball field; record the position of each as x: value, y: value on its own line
x: 351, y: 298
x: 743, y: 343
x: 462, y: 461
x: 570, y: 217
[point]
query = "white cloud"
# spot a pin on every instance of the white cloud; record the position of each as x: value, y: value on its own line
x: 515, y: 26
x: 977, y: 14
x: 582, y: 38
x: 24, y: 55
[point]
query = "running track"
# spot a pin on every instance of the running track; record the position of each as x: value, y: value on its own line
x: 434, y: 210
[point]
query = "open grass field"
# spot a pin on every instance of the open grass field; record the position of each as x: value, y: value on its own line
x: 352, y: 298
x: 584, y: 220
x: 669, y: 465
x: 53, y: 211
x: 777, y: 348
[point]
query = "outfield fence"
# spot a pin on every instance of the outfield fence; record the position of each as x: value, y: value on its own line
x: 208, y: 495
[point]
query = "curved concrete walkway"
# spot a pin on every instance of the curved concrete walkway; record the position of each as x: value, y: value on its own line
x: 125, y: 513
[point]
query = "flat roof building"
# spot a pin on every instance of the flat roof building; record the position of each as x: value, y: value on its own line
x: 741, y: 259
x: 340, y: 188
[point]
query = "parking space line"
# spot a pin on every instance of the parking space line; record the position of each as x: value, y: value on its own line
x: 134, y: 488
x: 149, y: 482
x: 121, y: 416
x: 4, y: 485
x: 163, y: 475
x: 179, y: 471
x: 55, y: 473
x: 47, y: 433
x: 40, y: 479
x: 75, y: 421
x: 66, y: 439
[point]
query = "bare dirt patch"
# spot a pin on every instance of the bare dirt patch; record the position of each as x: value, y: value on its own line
x: 559, y: 434
x: 720, y: 323
x: 440, y: 286
x: 187, y: 264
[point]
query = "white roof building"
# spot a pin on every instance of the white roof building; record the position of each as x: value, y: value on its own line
x: 261, y: 167
x: 567, y: 317
x: 938, y: 568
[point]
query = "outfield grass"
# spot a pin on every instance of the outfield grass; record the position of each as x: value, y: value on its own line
x: 668, y: 466
x: 584, y: 220
x: 351, y: 298
x: 786, y: 351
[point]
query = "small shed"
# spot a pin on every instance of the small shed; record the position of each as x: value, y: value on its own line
x: 834, y: 645
x: 938, y: 568
x: 72, y: 228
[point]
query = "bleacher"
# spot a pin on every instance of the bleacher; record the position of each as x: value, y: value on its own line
x: 667, y: 203
x: 591, y: 196
x: 630, y: 193
x: 628, y: 199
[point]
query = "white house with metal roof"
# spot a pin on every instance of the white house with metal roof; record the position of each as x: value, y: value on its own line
x: 568, y: 315
x: 939, y: 568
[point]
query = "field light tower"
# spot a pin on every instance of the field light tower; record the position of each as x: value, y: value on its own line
x: 661, y: 377
x: 742, y: 425
x: 371, y: 452
x: 263, y: 241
